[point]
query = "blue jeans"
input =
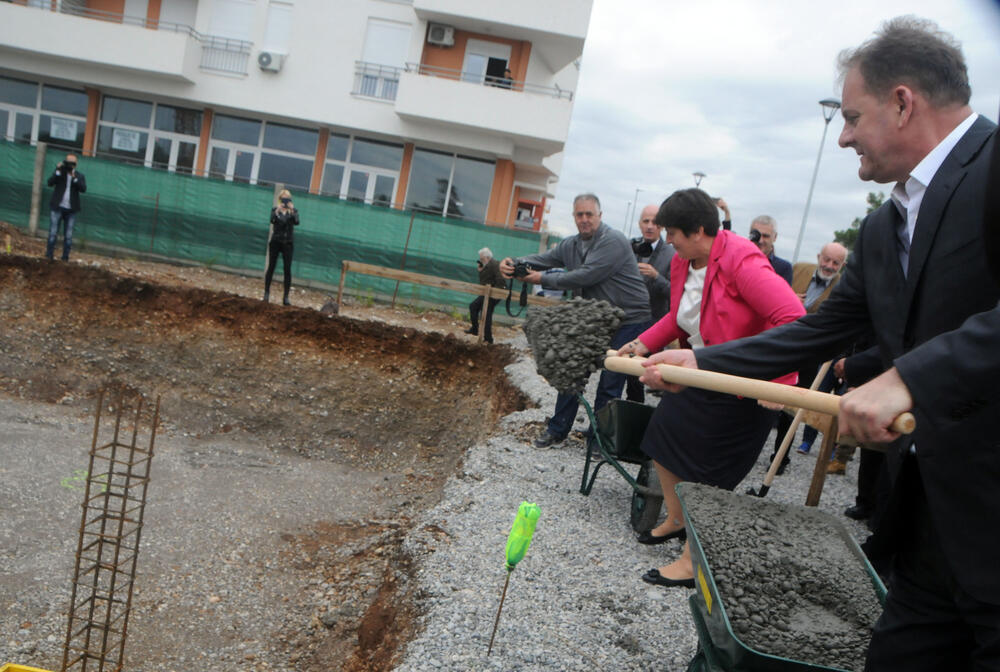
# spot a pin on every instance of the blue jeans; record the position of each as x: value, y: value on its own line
x: 56, y: 216
x: 609, y: 387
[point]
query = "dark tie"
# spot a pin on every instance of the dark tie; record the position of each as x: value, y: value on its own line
x: 903, y: 242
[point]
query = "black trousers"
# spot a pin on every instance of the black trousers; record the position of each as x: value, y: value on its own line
x: 475, y: 308
x: 274, y: 248
x: 930, y: 623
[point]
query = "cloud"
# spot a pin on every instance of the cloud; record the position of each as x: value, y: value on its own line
x: 732, y: 90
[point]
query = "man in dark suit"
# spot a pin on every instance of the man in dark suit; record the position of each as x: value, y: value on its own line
x: 924, y: 286
x: 763, y: 232
x: 653, y: 254
x: 69, y: 183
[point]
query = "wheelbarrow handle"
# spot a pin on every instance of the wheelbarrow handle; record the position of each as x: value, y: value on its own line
x: 789, y: 395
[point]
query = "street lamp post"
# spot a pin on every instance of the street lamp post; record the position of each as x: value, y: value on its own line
x: 698, y: 177
x: 830, y: 107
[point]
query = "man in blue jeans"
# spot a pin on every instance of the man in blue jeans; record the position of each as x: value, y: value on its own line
x: 68, y: 184
x: 599, y: 265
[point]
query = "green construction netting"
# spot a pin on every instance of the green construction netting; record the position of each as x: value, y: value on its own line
x: 218, y: 223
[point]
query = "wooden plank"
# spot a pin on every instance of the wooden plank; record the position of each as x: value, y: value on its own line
x: 340, y: 287
x: 482, y: 315
x: 435, y: 281
x: 823, y: 459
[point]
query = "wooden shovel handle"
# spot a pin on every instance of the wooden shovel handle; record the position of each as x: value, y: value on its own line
x: 789, y: 395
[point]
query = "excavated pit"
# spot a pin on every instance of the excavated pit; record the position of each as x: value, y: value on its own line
x: 395, y: 403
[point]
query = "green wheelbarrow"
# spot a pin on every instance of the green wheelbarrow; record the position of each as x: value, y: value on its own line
x: 618, y: 431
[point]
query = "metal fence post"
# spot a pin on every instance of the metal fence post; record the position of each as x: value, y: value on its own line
x: 36, y: 188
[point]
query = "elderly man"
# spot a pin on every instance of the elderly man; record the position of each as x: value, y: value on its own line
x: 814, y: 282
x: 766, y: 229
x: 919, y: 277
x: 489, y: 274
x: 653, y: 254
x: 599, y: 264
x: 68, y: 183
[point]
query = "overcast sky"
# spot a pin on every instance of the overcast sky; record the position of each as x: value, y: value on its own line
x: 732, y: 89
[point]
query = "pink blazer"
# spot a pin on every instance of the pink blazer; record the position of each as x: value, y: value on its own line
x: 743, y: 296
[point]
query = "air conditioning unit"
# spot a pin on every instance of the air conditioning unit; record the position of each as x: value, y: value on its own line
x: 270, y: 61
x: 441, y: 35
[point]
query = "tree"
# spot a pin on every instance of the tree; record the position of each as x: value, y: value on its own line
x: 848, y: 236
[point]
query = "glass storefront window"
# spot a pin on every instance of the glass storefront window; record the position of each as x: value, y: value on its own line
x: 294, y: 173
x: 430, y: 175
x: 65, y: 101
x: 235, y: 129
x: 336, y: 148
x: 178, y: 120
x: 291, y: 139
x: 122, y: 142
x: 470, y: 188
x: 18, y: 92
x: 60, y: 131
x: 124, y: 111
x: 377, y: 154
x: 333, y: 176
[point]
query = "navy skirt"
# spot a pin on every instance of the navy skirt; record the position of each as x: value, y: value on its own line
x: 707, y: 437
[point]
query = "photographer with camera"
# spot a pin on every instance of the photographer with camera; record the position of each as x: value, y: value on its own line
x: 763, y: 233
x: 653, y: 255
x: 69, y: 183
x: 489, y: 274
x: 600, y: 265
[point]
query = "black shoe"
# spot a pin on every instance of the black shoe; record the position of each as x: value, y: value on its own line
x: 472, y: 332
x: 286, y: 302
x: 781, y: 467
x: 547, y: 439
x: 267, y: 296
x: 652, y: 539
x: 653, y: 577
x: 858, y: 512
x: 488, y: 339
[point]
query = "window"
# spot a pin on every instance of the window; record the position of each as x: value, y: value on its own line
x: 485, y: 61
x: 18, y: 108
x: 361, y: 170
x: 277, y: 35
x: 154, y: 134
x: 65, y: 127
x: 442, y: 184
x: 247, y: 150
x: 387, y: 44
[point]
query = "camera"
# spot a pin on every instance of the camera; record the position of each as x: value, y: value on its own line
x: 642, y: 247
x: 521, y: 268
x: 754, y: 236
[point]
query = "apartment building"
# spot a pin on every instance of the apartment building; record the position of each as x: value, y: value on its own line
x: 454, y: 107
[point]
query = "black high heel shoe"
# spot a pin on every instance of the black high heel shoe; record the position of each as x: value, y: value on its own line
x: 652, y: 539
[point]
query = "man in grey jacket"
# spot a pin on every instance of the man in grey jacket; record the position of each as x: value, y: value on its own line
x: 600, y: 265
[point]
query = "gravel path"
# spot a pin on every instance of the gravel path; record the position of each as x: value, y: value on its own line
x: 576, y: 602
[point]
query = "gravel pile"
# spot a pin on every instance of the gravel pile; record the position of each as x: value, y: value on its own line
x: 570, y: 340
x: 576, y: 601
x: 790, y: 585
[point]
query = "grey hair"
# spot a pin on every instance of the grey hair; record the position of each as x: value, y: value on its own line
x: 915, y: 52
x: 767, y: 220
x: 587, y: 197
x: 485, y: 252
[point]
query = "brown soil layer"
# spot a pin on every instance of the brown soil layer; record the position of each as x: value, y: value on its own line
x: 361, y: 393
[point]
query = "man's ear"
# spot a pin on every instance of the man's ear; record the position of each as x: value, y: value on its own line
x: 902, y: 99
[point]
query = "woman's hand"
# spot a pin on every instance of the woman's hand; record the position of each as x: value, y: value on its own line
x: 770, y: 405
x: 635, y: 347
x: 680, y: 357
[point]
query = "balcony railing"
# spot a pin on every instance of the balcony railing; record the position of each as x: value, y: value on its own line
x: 220, y: 54
x: 486, y: 80
x: 372, y: 80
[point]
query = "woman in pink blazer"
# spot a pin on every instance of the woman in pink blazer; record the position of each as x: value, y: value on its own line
x: 721, y: 288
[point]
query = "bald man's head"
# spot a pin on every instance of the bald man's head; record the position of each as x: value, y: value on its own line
x: 830, y: 260
x: 647, y: 223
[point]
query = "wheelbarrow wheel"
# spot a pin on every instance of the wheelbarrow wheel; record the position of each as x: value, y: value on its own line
x: 646, y: 507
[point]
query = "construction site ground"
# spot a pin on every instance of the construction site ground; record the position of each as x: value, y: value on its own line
x: 295, y: 448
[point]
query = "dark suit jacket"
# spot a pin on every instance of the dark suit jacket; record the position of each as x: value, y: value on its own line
x: 659, y: 287
x: 939, y: 327
x: 77, y: 187
x: 781, y: 267
x: 802, y: 275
